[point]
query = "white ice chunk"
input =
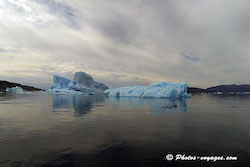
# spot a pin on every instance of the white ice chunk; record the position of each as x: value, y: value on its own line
x: 15, y: 90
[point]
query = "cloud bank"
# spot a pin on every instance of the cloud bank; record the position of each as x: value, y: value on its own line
x: 128, y: 42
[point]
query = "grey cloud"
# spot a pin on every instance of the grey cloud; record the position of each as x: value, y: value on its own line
x: 3, y: 50
x: 134, y: 41
x: 35, y: 12
x: 64, y: 11
x: 49, y: 69
x: 13, y: 7
x: 119, y: 28
x: 189, y: 57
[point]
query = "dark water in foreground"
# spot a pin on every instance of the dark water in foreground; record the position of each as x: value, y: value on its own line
x: 40, y: 130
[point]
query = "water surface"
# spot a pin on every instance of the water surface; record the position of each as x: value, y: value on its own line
x: 41, y: 130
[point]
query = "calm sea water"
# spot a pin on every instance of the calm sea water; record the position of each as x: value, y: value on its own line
x: 41, y: 130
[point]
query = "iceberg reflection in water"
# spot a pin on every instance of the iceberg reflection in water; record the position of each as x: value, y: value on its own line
x: 155, y: 105
x: 81, y: 104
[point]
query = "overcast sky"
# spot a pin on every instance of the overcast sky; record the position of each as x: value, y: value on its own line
x: 126, y: 42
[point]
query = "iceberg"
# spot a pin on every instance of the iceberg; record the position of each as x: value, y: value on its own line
x: 159, y: 89
x: 15, y: 90
x: 82, y: 83
x: 60, y: 82
x: 60, y: 86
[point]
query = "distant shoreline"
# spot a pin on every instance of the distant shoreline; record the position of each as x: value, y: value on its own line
x: 6, y: 84
x: 224, y: 89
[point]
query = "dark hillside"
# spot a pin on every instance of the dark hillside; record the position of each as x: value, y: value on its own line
x: 228, y: 88
x: 6, y: 84
x: 194, y: 90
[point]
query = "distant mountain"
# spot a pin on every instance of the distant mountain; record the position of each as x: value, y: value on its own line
x: 6, y: 84
x: 194, y: 90
x: 221, y: 88
x: 229, y: 88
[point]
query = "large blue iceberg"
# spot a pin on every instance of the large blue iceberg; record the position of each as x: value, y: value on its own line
x: 157, y: 89
x: 82, y: 83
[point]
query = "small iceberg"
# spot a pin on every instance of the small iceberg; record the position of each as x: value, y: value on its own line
x: 15, y: 90
x: 159, y: 89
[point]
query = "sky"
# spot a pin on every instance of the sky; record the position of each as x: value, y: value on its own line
x: 203, y: 43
